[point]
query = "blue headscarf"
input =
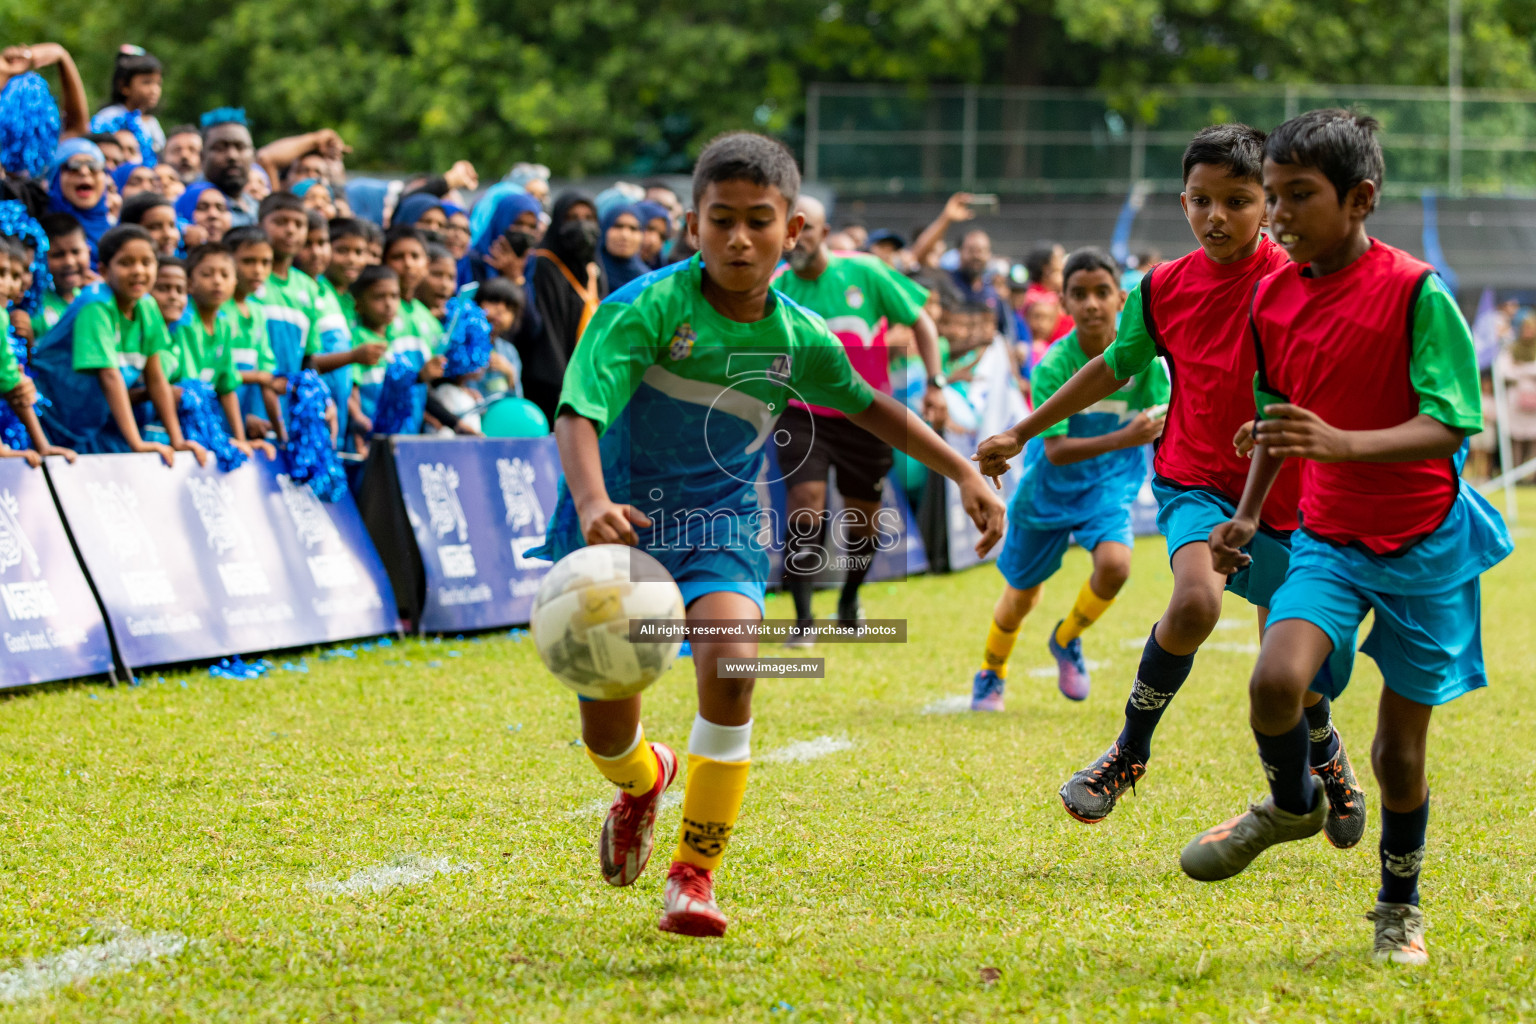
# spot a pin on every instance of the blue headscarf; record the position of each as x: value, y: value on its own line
x: 507, y: 209
x: 619, y: 271
x: 301, y: 188
x: 94, y: 221
x: 413, y: 207
x: 186, y: 203
x: 123, y: 173
x: 649, y: 210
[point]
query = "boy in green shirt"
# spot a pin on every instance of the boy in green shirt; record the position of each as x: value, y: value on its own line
x: 69, y: 264
x: 334, y: 353
x: 253, y: 349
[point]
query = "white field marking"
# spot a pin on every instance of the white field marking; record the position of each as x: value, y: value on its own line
x: 947, y: 706
x: 670, y: 799
x: 1044, y: 672
x: 809, y: 750
x: 1232, y: 623
x: 123, y: 951
x: 382, y: 877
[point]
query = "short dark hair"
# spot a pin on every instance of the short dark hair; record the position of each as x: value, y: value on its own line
x: 12, y: 249
x: 499, y: 289
x: 137, y: 205
x: 317, y: 221
x: 59, y: 225
x: 747, y: 156
x: 183, y: 129
x: 130, y: 61
x: 105, y: 139
x: 202, y: 252
x: 1038, y: 258
x: 1237, y: 147
x: 371, y: 276
x: 279, y: 201
x: 403, y: 233
x: 175, y: 262
x: 112, y: 242
x: 375, y: 233
x: 347, y: 227
x: 436, y: 251
x: 239, y: 238
x: 1340, y: 143
x: 1090, y: 258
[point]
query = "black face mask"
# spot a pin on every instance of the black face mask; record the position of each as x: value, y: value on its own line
x: 520, y: 241
x: 579, y: 239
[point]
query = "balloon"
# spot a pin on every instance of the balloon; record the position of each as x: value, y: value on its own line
x: 514, y: 417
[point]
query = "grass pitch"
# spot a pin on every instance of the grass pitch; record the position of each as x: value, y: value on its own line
x: 407, y: 835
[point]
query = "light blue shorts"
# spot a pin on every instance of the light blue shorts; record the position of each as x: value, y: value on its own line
x: 1188, y: 515
x: 1429, y: 647
x: 1031, y: 556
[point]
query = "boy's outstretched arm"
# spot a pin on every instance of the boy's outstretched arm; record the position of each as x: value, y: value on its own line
x: 1092, y: 383
x: 1143, y: 429
x: 116, y: 393
x: 40, y: 442
x: 164, y: 400
x: 602, y: 520
x: 900, y: 428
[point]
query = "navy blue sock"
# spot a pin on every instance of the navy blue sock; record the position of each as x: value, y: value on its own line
x: 804, y: 558
x: 1402, y: 854
x: 1285, y: 762
x: 1321, y: 734
x: 860, y: 554
x: 1158, y: 678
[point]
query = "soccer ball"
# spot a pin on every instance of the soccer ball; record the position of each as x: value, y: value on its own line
x: 581, y: 620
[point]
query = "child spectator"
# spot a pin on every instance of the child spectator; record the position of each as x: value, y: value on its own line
x: 170, y: 292
x: 406, y: 253
x: 337, y: 354
x: 131, y: 179
x: 253, y: 349
x: 136, y: 86
x: 288, y: 300
x: 18, y: 389
x: 1517, y: 365
x: 69, y: 264
x: 350, y: 253
x: 157, y: 215
x: 441, y: 282
x: 504, y: 304
x: 376, y: 299
x: 104, y: 355
x: 203, y: 343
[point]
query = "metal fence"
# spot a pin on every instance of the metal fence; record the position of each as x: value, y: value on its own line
x: 879, y: 140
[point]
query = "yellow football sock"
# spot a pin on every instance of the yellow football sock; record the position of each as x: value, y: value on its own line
x: 999, y: 646
x: 633, y: 771
x: 1084, y: 613
x: 710, y: 806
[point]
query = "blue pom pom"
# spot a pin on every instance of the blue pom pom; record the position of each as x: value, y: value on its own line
x: 29, y: 125
x: 131, y: 121
x: 311, y: 459
x: 401, y: 399
x: 203, y: 421
x: 17, y: 222
x: 469, y: 338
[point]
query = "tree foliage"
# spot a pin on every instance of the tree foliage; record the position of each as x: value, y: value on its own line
x: 593, y: 85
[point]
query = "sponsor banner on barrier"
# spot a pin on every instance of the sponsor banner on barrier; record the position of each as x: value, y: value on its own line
x: 50, y: 624
x: 192, y: 563
x: 477, y: 506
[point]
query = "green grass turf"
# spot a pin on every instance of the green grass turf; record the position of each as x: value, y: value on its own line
x: 884, y: 882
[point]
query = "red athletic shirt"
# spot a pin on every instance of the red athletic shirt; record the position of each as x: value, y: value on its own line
x: 1366, y: 348
x: 1194, y: 312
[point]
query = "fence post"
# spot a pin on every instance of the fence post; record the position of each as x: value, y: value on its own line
x: 1506, y: 445
x: 813, y: 131
x: 968, y: 140
x: 1454, y: 95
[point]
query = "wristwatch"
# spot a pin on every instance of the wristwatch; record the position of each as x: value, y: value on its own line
x: 938, y: 380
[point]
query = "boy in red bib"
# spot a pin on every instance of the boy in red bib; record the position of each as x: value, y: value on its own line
x: 1367, y: 374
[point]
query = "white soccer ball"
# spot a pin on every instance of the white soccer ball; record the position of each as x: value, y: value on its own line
x: 581, y: 620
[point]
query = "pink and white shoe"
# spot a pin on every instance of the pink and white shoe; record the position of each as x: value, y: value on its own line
x: 624, y: 844
x: 1072, y: 677
x: 688, y: 908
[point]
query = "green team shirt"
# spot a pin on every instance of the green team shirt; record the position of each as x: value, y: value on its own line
x: 208, y: 357
x: 252, y: 347
x: 362, y: 374
x: 104, y: 337
x: 858, y: 295
x: 1051, y: 496
x: 10, y: 369
x: 686, y: 399
x: 416, y: 320
x: 293, y: 327
x: 51, y: 309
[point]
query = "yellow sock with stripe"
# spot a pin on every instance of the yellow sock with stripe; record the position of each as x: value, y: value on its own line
x: 1085, y: 612
x: 719, y: 757
x: 999, y: 646
x: 633, y: 771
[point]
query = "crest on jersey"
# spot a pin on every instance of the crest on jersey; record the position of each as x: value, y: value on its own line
x: 682, y: 342
x: 854, y: 297
x: 779, y: 369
